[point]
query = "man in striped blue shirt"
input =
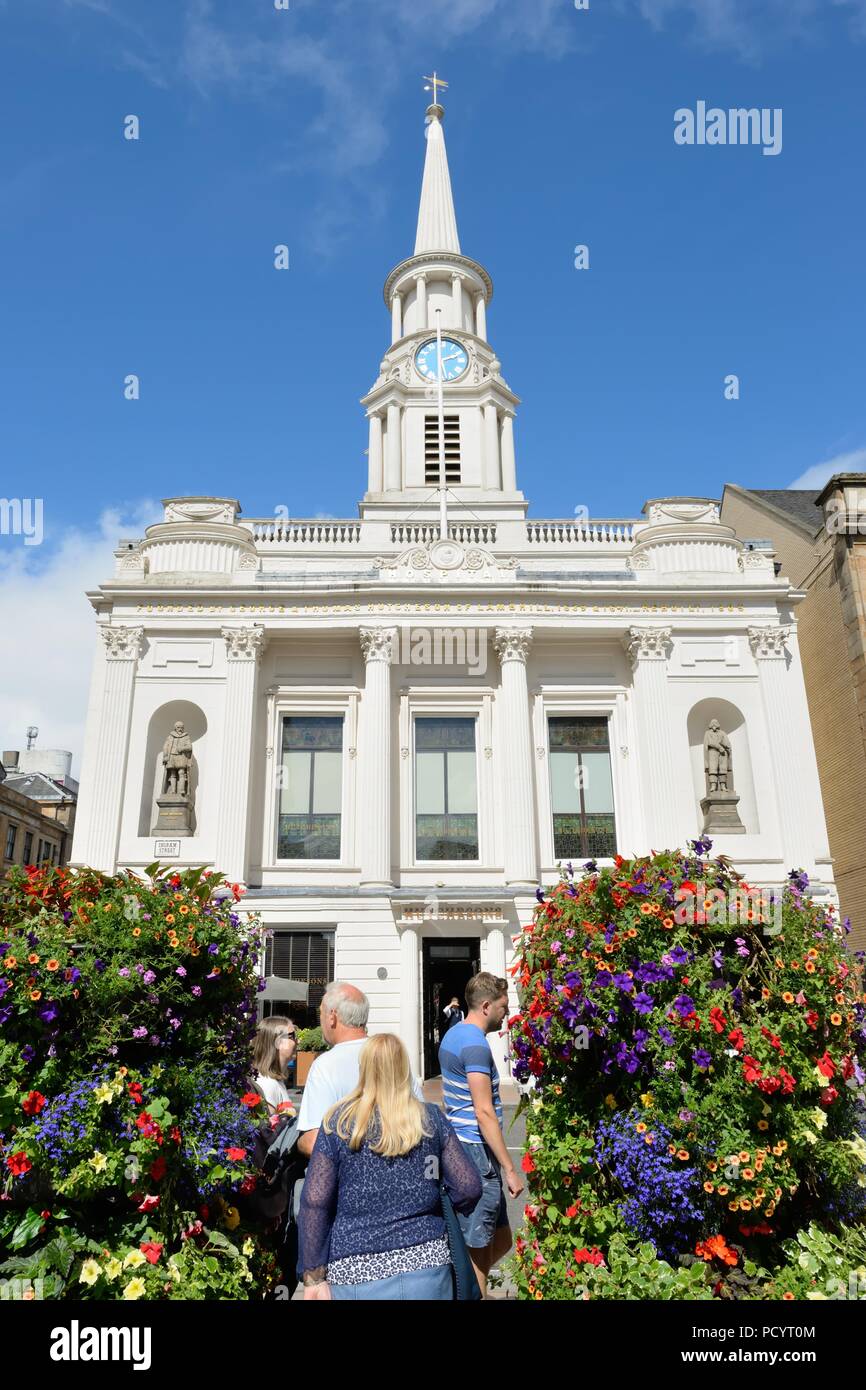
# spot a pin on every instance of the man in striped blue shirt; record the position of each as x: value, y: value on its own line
x: 471, y: 1089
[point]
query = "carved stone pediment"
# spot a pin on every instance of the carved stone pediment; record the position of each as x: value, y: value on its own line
x: 446, y: 562
x: 679, y: 511
x: 220, y: 509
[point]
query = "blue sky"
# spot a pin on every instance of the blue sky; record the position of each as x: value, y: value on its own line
x: 305, y: 127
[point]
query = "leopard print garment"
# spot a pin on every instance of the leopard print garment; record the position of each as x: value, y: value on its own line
x: 362, y: 1269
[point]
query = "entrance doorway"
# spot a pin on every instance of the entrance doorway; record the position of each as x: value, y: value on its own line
x: 448, y: 965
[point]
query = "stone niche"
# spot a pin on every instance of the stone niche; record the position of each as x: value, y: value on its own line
x: 734, y: 725
x: 162, y: 721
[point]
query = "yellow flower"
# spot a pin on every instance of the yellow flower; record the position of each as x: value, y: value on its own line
x: 90, y: 1272
x: 113, y: 1269
x: 104, y: 1093
x: 231, y: 1218
x: 610, y: 1101
x: 133, y: 1260
x: 646, y: 1099
x: 134, y: 1289
x: 98, y: 1162
x: 248, y: 1248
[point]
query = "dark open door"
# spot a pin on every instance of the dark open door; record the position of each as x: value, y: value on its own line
x: 447, y: 966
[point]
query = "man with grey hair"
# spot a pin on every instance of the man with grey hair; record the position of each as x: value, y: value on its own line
x: 343, y: 1015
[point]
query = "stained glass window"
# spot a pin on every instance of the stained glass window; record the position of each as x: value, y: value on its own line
x: 581, y: 788
x: 310, y: 793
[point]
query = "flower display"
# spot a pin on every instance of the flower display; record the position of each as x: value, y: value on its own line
x: 124, y: 1102
x: 694, y: 1092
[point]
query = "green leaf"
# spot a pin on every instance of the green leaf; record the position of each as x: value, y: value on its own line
x: 26, y: 1230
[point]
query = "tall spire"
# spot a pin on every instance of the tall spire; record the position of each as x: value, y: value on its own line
x: 437, y: 223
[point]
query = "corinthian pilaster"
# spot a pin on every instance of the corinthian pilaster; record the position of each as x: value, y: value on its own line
x: 244, y: 646
x: 789, y: 737
x: 377, y: 644
x: 108, y: 774
x: 518, y: 810
x: 648, y: 649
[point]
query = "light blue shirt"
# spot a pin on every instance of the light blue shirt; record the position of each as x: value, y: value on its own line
x: 465, y: 1049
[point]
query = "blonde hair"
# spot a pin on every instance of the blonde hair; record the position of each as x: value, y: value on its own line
x: 266, y: 1057
x: 382, y: 1109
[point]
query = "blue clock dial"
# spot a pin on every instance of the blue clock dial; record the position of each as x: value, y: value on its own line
x: 455, y: 360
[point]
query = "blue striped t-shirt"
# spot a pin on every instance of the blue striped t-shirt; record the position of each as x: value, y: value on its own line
x: 464, y: 1049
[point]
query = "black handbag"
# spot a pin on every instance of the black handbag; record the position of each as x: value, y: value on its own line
x: 463, y: 1278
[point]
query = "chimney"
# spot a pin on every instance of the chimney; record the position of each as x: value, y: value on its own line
x: 10, y: 760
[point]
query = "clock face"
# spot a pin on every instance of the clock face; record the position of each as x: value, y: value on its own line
x: 455, y: 360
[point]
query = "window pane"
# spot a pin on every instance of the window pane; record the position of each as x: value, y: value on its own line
x: 430, y: 783
x: 446, y: 837
x: 461, y: 782
x: 564, y: 781
x: 295, y: 790
x: 597, y: 785
x: 309, y: 837
x: 312, y: 731
x: 327, y: 782
x: 445, y: 733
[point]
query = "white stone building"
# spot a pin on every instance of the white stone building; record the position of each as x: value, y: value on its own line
x: 388, y: 724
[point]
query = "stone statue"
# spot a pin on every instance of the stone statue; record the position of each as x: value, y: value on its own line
x: 719, y: 806
x: 717, y: 759
x: 175, y: 801
x: 176, y: 759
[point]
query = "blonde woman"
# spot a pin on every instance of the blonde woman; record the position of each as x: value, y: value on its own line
x: 273, y: 1050
x: 371, y: 1222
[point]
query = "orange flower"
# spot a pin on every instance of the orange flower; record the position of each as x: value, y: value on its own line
x: 10, y: 962
x: 709, y: 1187
x: 744, y: 1156
x: 733, y: 1206
x: 169, y: 917
x: 35, y: 994
x: 763, y: 1124
x: 788, y: 997
x: 787, y: 1297
x: 136, y: 931
x: 641, y: 1127
x: 765, y: 993
x: 33, y: 958
x: 632, y: 931
x: 712, y: 1165
x: 682, y: 1154
x: 835, y: 1019
x: 723, y: 1189
x: 809, y: 967
x: 52, y: 964
x: 748, y: 1174
x: 812, y: 953
x: 645, y: 909
x: 184, y: 911
x: 667, y: 922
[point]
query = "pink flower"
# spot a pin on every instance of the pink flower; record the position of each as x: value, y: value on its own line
x: 149, y: 1204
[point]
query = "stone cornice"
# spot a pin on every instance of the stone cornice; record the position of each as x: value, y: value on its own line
x: 441, y: 259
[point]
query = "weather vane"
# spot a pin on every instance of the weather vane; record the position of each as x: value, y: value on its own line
x: 436, y: 82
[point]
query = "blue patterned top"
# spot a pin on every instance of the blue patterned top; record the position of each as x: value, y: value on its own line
x: 361, y: 1203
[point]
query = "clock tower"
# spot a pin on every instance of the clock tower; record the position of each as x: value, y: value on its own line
x: 438, y: 288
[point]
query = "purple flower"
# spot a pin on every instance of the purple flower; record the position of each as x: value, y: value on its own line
x: 5, y: 986
x: 175, y: 1023
x: 213, y: 949
x: 5, y: 1014
x: 181, y: 970
x: 684, y: 1005
x: 49, y: 1012
x: 686, y: 1116
x: 149, y: 977
x: 701, y: 846
x: 624, y: 982
x: 717, y: 959
x: 124, y: 971
x: 539, y: 893
x: 196, y: 989
x: 643, y: 1003
x: 139, y: 1032
x: 570, y: 933
x: 154, y: 1040
x: 666, y: 1035
x: 701, y: 1058
x: 99, y: 966
x: 742, y: 948
x: 27, y: 1053
x: 679, y: 955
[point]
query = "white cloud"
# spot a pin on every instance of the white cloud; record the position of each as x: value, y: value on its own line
x: 750, y: 27
x: 820, y: 473
x: 47, y: 626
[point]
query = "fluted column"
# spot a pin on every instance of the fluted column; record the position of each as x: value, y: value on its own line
x: 481, y: 317
x: 422, y: 301
x: 244, y: 646
x: 648, y: 649
x: 457, y: 301
x: 396, y: 318
x: 518, y: 793
x: 375, y: 459
x: 108, y: 774
x: 394, y: 461
x: 374, y: 796
x: 509, y: 466
x: 492, y: 474
x: 410, y: 997
x: 496, y: 951
x: 790, y: 745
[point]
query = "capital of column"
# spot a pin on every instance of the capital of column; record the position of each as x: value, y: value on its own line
x: 244, y: 643
x: 769, y: 642
x: 122, y: 643
x: 513, y: 643
x: 377, y: 643
x: 647, y: 644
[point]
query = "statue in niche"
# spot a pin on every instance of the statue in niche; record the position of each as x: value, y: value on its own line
x: 175, y: 798
x: 719, y: 805
x: 176, y: 759
x: 717, y: 759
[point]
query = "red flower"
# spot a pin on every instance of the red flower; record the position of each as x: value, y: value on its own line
x: 826, y: 1065
x: 717, y: 1019
x: 788, y: 1081
x: 716, y: 1248
x: 828, y: 1095
x: 251, y: 1099
x: 589, y: 1257
x: 236, y: 1155
x: 773, y: 1040
x: 736, y: 1039
x: 151, y: 1251
x: 812, y: 1019
x: 134, y: 1089
x: 573, y: 1209
x: 249, y: 1183
x: 157, y: 1168
x: 148, y: 1126
x: 769, y: 1085
x: 18, y: 1164
x: 751, y: 1069
x: 237, y: 892
x: 46, y: 1215
x: 149, y: 1204
x: 527, y: 1163
x: 33, y: 1104
x: 174, y: 1134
